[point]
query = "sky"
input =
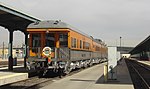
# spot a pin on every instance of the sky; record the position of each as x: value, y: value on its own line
x: 103, y: 19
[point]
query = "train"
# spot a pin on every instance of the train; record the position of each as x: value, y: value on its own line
x: 55, y: 45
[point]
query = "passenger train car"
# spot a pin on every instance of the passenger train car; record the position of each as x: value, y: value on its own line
x: 55, y: 45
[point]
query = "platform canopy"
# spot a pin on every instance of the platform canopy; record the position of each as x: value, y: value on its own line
x: 144, y: 46
x: 13, y: 19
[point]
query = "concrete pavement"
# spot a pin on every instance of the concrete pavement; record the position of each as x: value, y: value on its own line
x: 92, y: 78
x: 7, y: 77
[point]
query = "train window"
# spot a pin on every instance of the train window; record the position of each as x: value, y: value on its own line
x: 63, y: 38
x: 73, y: 42
x: 81, y: 44
x: 36, y: 40
x: 97, y: 48
x: 86, y: 45
x: 77, y: 43
x: 50, y: 40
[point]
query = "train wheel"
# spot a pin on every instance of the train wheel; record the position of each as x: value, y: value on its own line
x: 40, y: 73
x: 60, y: 72
x: 67, y: 70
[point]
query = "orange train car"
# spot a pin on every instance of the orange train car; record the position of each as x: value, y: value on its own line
x: 55, y: 45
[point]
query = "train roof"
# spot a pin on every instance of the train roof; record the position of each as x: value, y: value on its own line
x: 58, y: 24
x: 54, y: 24
x: 49, y: 24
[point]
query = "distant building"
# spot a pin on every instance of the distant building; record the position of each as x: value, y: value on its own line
x: 124, y: 51
x: 17, y: 52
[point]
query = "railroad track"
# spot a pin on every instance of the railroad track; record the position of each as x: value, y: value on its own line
x: 35, y: 82
x: 32, y: 83
x: 140, y: 74
x: 5, y: 63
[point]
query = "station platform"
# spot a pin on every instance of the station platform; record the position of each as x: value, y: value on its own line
x: 92, y: 78
x: 4, y: 62
x: 18, y: 74
x: 145, y: 62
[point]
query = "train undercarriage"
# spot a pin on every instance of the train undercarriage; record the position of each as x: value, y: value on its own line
x: 65, y: 61
x: 65, y: 67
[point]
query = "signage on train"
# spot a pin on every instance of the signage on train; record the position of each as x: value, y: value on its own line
x: 47, y: 51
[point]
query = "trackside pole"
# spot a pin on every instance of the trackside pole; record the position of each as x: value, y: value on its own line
x: 105, y: 73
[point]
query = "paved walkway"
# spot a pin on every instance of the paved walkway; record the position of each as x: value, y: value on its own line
x: 92, y: 78
x: 18, y: 74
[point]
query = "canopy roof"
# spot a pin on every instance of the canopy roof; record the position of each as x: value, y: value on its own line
x: 143, y: 46
x: 13, y: 19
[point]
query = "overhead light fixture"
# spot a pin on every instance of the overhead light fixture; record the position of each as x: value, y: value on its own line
x: 47, y: 31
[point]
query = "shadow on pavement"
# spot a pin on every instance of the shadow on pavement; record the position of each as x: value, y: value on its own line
x: 122, y: 75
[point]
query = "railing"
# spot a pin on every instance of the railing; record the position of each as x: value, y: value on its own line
x: 63, y: 53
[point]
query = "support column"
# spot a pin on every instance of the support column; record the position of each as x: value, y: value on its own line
x: 26, y: 51
x: 10, y: 58
x: 57, y: 40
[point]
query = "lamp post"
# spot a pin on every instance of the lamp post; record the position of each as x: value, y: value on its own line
x: 3, y: 51
x: 120, y: 47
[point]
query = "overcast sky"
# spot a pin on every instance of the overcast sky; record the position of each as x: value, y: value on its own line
x: 104, y: 19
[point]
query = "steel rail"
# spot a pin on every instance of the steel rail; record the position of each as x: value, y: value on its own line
x: 143, y: 80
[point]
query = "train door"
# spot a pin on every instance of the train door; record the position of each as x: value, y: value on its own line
x: 50, y: 40
x: 56, y: 41
x: 63, y: 38
x: 36, y: 40
x: 35, y: 45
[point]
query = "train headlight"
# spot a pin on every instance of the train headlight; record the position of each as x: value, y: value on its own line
x: 47, y: 51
